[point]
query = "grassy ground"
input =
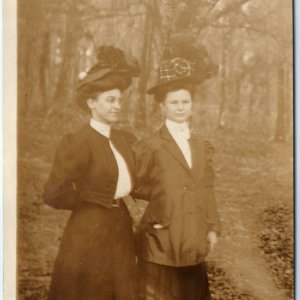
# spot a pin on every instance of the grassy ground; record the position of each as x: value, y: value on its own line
x: 254, y: 257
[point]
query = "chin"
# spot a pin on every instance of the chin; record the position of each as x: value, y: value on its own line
x: 181, y: 120
x: 113, y: 120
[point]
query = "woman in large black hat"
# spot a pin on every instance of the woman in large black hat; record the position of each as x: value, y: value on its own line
x: 92, y: 173
x: 181, y: 224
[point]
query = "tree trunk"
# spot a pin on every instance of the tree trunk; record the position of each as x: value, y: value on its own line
x: 223, y: 79
x: 141, y: 115
x: 281, y: 107
x: 32, y: 25
x: 43, y: 70
x: 65, y: 85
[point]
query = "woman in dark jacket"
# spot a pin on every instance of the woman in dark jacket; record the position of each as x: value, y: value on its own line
x: 93, y: 171
x: 181, y: 223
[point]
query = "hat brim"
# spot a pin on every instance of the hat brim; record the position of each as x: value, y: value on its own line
x: 98, y: 76
x: 159, y: 85
x: 103, y: 82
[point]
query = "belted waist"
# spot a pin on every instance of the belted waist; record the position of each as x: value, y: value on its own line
x: 99, y: 198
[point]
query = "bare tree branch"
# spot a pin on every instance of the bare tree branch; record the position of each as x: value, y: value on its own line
x: 213, y: 17
x: 133, y: 9
x: 112, y: 15
x: 211, y: 8
x: 255, y: 29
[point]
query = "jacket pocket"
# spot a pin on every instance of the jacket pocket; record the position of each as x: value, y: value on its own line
x: 158, y: 239
x: 193, y: 229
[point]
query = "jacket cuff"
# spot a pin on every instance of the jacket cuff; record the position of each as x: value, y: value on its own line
x: 214, y: 227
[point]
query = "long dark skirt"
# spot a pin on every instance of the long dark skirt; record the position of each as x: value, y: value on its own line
x: 96, y: 259
x: 158, y: 282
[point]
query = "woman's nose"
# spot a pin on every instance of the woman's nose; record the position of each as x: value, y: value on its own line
x: 117, y: 104
x: 180, y: 106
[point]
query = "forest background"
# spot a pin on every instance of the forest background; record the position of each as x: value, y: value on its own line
x: 246, y: 110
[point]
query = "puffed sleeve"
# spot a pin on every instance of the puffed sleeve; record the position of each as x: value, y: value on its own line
x: 212, y: 213
x: 129, y: 137
x: 149, y: 178
x: 69, y: 163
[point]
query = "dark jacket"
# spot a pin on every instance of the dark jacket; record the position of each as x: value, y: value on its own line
x: 96, y: 258
x: 181, y: 199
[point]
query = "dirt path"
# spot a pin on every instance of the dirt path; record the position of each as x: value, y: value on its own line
x: 247, y: 183
x: 241, y: 203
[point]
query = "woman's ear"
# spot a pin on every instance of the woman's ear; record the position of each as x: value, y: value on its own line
x: 162, y: 108
x: 90, y: 103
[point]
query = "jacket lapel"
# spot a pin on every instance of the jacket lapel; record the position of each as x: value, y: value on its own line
x: 171, y: 146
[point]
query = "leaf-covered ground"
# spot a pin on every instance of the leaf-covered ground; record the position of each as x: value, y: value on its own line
x: 277, y: 244
x: 254, y: 257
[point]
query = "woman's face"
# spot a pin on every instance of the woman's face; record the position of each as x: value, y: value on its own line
x: 106, y: 106
x: 177, y: 106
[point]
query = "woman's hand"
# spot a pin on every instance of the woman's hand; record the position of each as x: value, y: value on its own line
x: 157, y: 226
x: 212, y: 239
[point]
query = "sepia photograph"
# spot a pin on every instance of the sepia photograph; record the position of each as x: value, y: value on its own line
x: 155, y: 150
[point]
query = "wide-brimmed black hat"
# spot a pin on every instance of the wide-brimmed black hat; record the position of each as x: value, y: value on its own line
x: 111, y: 60
x: 186, y: 62
x: 174, y: 70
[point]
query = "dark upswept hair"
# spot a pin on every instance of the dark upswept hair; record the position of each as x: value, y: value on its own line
x: 108, y: 82
x: 161, y: 92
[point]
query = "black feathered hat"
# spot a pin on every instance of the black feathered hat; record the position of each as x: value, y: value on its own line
x: 114, y: 69
x: 184, y: 60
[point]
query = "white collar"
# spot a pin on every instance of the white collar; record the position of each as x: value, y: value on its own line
x: 178, y: 130
x: 174, y: 126
x: 102, y: 128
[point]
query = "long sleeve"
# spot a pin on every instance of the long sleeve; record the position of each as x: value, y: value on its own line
x: 212, y: 213
x: 144, y: 163
x: 69, y: 163
x: 149, y: 185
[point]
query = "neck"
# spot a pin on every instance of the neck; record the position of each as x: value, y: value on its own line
x: 174, y: 122
x: 100, y: 121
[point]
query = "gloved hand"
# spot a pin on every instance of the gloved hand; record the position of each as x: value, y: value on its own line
x: 212, y: 239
